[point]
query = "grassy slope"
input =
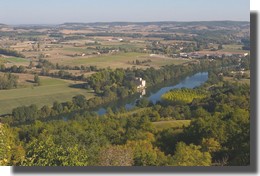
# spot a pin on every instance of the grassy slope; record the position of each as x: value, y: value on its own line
x: 14, y: 60
x: 171, y: 124
x: 51, y: 90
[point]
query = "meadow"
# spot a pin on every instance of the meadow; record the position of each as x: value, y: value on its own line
x: 240, y: 81
x: 171, y: 124
x: 51, y: 90
x: 123, y: 60
x: 14, y: 61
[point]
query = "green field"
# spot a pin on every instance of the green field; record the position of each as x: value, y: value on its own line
x: 171, y: 124
x: 51, y: 90
x: 78, y: 49
x: 13, y: 60
x: 233, y: 48
x: 105, y: 60
x: 120, y: 60
x: 240, y: 81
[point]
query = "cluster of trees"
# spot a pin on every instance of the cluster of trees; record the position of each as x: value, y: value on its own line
x: 138, y: 62
x: 9, y: 52
x: 13, y: 69
x: 224, y: 118
x: 11, y: 150
x: 43, y: 63
x: 171, y: 49
x: 109, y: 81
x: 8, y: 81
x: 62, y: 74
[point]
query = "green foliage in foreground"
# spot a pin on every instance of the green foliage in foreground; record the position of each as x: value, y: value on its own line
x: 11, y: 151
x: 182, y: 95
x: 190, y: 155
x: 41, y: 153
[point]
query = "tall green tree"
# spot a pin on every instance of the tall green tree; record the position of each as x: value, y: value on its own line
x: 37, y: 80
x: 190, y: 155
x: 44, y: 152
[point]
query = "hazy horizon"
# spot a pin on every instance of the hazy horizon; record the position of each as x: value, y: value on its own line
x: 78, y: 22
x: 51, y: 12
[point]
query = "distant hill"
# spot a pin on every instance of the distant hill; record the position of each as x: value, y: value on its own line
x: 206, y: 23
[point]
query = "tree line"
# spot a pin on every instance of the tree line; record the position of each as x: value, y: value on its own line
x: 9, y: 52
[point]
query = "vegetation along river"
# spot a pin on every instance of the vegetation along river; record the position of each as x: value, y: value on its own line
x: 154, y: 94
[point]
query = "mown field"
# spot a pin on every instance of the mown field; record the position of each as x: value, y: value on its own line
x: 123, y: 60
x: 14, y: 60
x: 51, y: 90
x: 171, y: 124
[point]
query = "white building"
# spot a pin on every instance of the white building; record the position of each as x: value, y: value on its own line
x: 140, y: 83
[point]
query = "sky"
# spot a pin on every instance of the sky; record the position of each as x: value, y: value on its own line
x: 61, y: 11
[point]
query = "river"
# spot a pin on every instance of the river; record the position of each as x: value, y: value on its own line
x: 154, y: 94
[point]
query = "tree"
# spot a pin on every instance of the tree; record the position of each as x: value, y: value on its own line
x: 11, y: 153
x: 210, y: 145
x: 8, y: 81
x: 37, y: 80
x: 147, y: 155
x: 57, y: 107
x: 25, y: 113
x: 144, y: 102
x: 45, y: 111
x: 190, y: 155
x: 5, y: 146
x: 31, y: 64
x: 44, y: 152
x: 79, y: 100
x: 220, y: 47
x: 21, y: 69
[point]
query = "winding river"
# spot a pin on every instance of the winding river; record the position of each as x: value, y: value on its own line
x: 154, y: 94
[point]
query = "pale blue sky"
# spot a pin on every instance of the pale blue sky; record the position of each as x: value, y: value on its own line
x: 60, y: 11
